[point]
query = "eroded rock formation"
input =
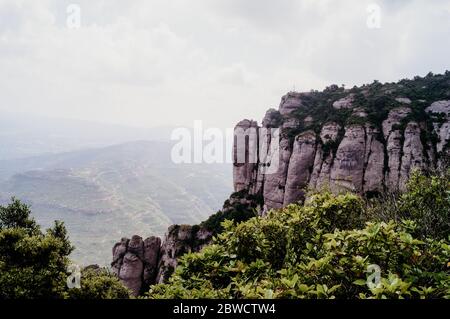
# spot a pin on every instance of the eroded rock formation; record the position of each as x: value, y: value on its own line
x: 440, y: 113
x: 140, y: 263
x: 363, y: 156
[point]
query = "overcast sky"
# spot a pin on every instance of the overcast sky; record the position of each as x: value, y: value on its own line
x: 170, y: 62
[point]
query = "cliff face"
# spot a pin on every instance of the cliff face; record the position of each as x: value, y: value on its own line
x: 140, y: 263
x: 366, y: 140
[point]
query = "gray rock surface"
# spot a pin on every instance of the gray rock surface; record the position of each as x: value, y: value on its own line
x: 320, y: 177
x: 412, y: 153
x: 131, y: 273
x: 403, y: 100
x: 367, y: 159
x: 152, y: 247
x: 141, y: 263
x: 300, y: 166
x: 348, y: 167
x: 290, y: 102
x: 274, y: 184
x: 441, y: 127
x: 393, y: 136
x: 344, y: 103
x: 244, y: 154
x: 329, y: 132
x: 128, y: 263
x: 374, y: 161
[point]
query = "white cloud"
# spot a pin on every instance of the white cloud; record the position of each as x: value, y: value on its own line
x: 170, y: 62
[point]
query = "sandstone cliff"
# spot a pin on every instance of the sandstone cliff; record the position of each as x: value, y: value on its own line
x: 140, y: 263
x: 366, y: 140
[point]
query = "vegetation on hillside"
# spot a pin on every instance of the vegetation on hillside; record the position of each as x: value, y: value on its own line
x: 326, y: 248
x: 376, y: 100
x: 240, y: 207
x: 322, y: 249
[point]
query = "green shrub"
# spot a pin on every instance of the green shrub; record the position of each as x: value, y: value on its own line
x: 319, y: 250
x: 33, y: 264
x: 240, y: 207
x: 426, y: 202
x: 17, y: 215
x: 98, y: 284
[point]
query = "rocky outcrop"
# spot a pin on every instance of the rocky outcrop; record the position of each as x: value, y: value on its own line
x: 152, y: 247
x: 245, y: 150
x: 329, y: 132
x: 344, y: 103
x: 323, y: 160
x: 403, y: 100
x: 440, y: 114
x: 291, y: 102
x: 347, y: 171
x: 363, y: 157
x: 300, y: 166
x: 275, y: 183
x: 374, y: 161
x: 393, y: 136
x: 128, y: 262
x: 412, y: 153
x: 131, y: 272
x: 323, y: 181
x: 179, y: 240
x: 140, y: 263
x: 271, y: 119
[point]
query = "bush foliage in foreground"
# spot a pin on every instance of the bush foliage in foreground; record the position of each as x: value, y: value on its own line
x: 323, y: 250
x: 98, y: 284
x: 34, y: 264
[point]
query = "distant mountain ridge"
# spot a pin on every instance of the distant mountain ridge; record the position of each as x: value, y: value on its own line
x: 103, y: 193
x: 26, y: 135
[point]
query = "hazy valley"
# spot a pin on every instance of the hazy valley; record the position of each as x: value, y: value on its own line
x: 107, y: 192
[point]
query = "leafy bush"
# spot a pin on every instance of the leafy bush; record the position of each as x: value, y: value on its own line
x: 319, y: 250
x: 33, y: 264
x: 99, y: 284
x: 17, y: 215
x: 240, y: 207
x: 427, y: 202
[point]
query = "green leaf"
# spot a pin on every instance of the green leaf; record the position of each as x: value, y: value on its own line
x: 360, y: 282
